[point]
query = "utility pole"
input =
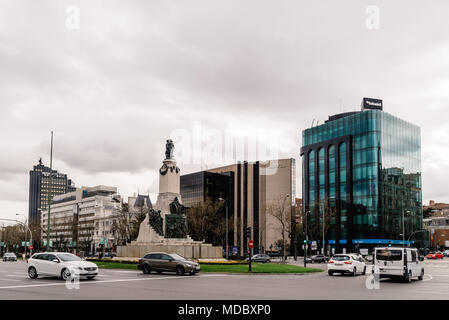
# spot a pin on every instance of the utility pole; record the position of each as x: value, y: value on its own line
x: 403, y: 227
x: 306, y: 237
x: 49, y: 193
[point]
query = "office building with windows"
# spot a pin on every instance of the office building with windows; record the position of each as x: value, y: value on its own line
x: 362, y: 179
x: 39, y: 189
x: 83, y: 219
x: 253, y: 191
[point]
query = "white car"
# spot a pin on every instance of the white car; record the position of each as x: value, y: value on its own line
x: 346, y: 263
x: 60, y: 264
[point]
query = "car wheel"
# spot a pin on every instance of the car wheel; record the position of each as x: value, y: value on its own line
x: 354, y: 272
x: 421, y: 277
x: 180, y: 270
x: 330, y: 273
x: 364, y: 271
x: 32, y: 273
x: 65, y: 274
x: 146, y: 269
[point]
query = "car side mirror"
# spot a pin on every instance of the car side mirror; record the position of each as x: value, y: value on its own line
x: 170, y: 260
x: 55, y: 260
x: 421, y: 258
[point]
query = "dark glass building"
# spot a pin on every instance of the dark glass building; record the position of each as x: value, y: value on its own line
x: 39, y: 185
x: 200, y: 186
x: 362, y: 180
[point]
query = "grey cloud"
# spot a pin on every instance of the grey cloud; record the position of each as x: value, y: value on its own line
x: 135, y: 71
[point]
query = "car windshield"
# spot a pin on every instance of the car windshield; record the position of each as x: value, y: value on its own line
x: 176, y: 256
x: 68, y: 257
x: 389, y: 255
x: 431, y: 252
x: 340, y: 258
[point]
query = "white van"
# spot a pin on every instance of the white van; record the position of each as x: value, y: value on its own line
x: 397, y: 262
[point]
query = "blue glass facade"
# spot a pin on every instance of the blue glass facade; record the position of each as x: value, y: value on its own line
x: 361, y: 172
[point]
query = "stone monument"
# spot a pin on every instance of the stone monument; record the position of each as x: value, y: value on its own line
x: 165, y: 227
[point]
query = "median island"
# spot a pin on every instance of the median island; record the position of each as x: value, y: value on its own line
x: 257, y: 268
x: 218, y: 267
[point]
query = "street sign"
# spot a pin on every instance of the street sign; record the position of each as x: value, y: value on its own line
x: 314, y: 246
x: 2, y: 244
x: 235, y: 251
x: 31, y: 247
x: 251, y: 244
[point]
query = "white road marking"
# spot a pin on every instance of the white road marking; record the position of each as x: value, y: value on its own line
x: 103, y: 281
x: 10, y: 280
x: 428, y: 276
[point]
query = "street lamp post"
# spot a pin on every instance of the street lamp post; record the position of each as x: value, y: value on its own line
x: 403, y: 228
x: 226, y: 203
x: 306, y: 237
x: 49, y: 193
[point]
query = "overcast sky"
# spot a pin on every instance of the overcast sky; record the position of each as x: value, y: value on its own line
x: 114, y: 84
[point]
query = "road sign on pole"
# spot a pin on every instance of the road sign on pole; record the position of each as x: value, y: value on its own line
x: 251, y: 244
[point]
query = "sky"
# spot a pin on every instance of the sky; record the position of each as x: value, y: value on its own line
x: 114, y: 79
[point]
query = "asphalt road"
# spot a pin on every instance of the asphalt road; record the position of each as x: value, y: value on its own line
x: 121, y: 284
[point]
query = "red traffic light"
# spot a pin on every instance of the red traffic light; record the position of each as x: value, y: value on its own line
x: 31, y: 247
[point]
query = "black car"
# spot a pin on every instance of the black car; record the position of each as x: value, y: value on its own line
x: 9, y: 256
x: 317, y: 259
x: 264, y: 258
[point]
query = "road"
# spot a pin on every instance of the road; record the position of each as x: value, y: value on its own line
x: 122, y: 284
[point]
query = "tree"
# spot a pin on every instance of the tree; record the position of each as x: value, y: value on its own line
x: 207, y: 221
x: 281, y: 210
x: 127, y: 222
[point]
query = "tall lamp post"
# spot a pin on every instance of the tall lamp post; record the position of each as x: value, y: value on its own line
x: 227, y: 248
x: 306, y: 213
x: 403, y: 227
x: 49, y: 193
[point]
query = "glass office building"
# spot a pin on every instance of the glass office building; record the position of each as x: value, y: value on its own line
x: 362, y: 180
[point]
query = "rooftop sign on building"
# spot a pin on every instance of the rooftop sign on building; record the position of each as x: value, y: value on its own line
x: 371, y: 104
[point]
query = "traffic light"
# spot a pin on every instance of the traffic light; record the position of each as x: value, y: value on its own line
x: 389, y: 243
x: 247, y: 233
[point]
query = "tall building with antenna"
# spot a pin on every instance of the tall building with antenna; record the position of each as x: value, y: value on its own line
x: 39, y: 186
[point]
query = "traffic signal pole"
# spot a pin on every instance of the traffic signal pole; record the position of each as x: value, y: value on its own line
x: 250, y: 244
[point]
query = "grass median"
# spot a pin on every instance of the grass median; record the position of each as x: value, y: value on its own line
x: 223, y: 268
x: 257, y: 268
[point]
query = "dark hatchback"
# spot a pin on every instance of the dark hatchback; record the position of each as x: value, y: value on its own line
x: 167, y: 262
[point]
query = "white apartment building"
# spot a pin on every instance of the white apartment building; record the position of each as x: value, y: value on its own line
x: 82, y: 219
